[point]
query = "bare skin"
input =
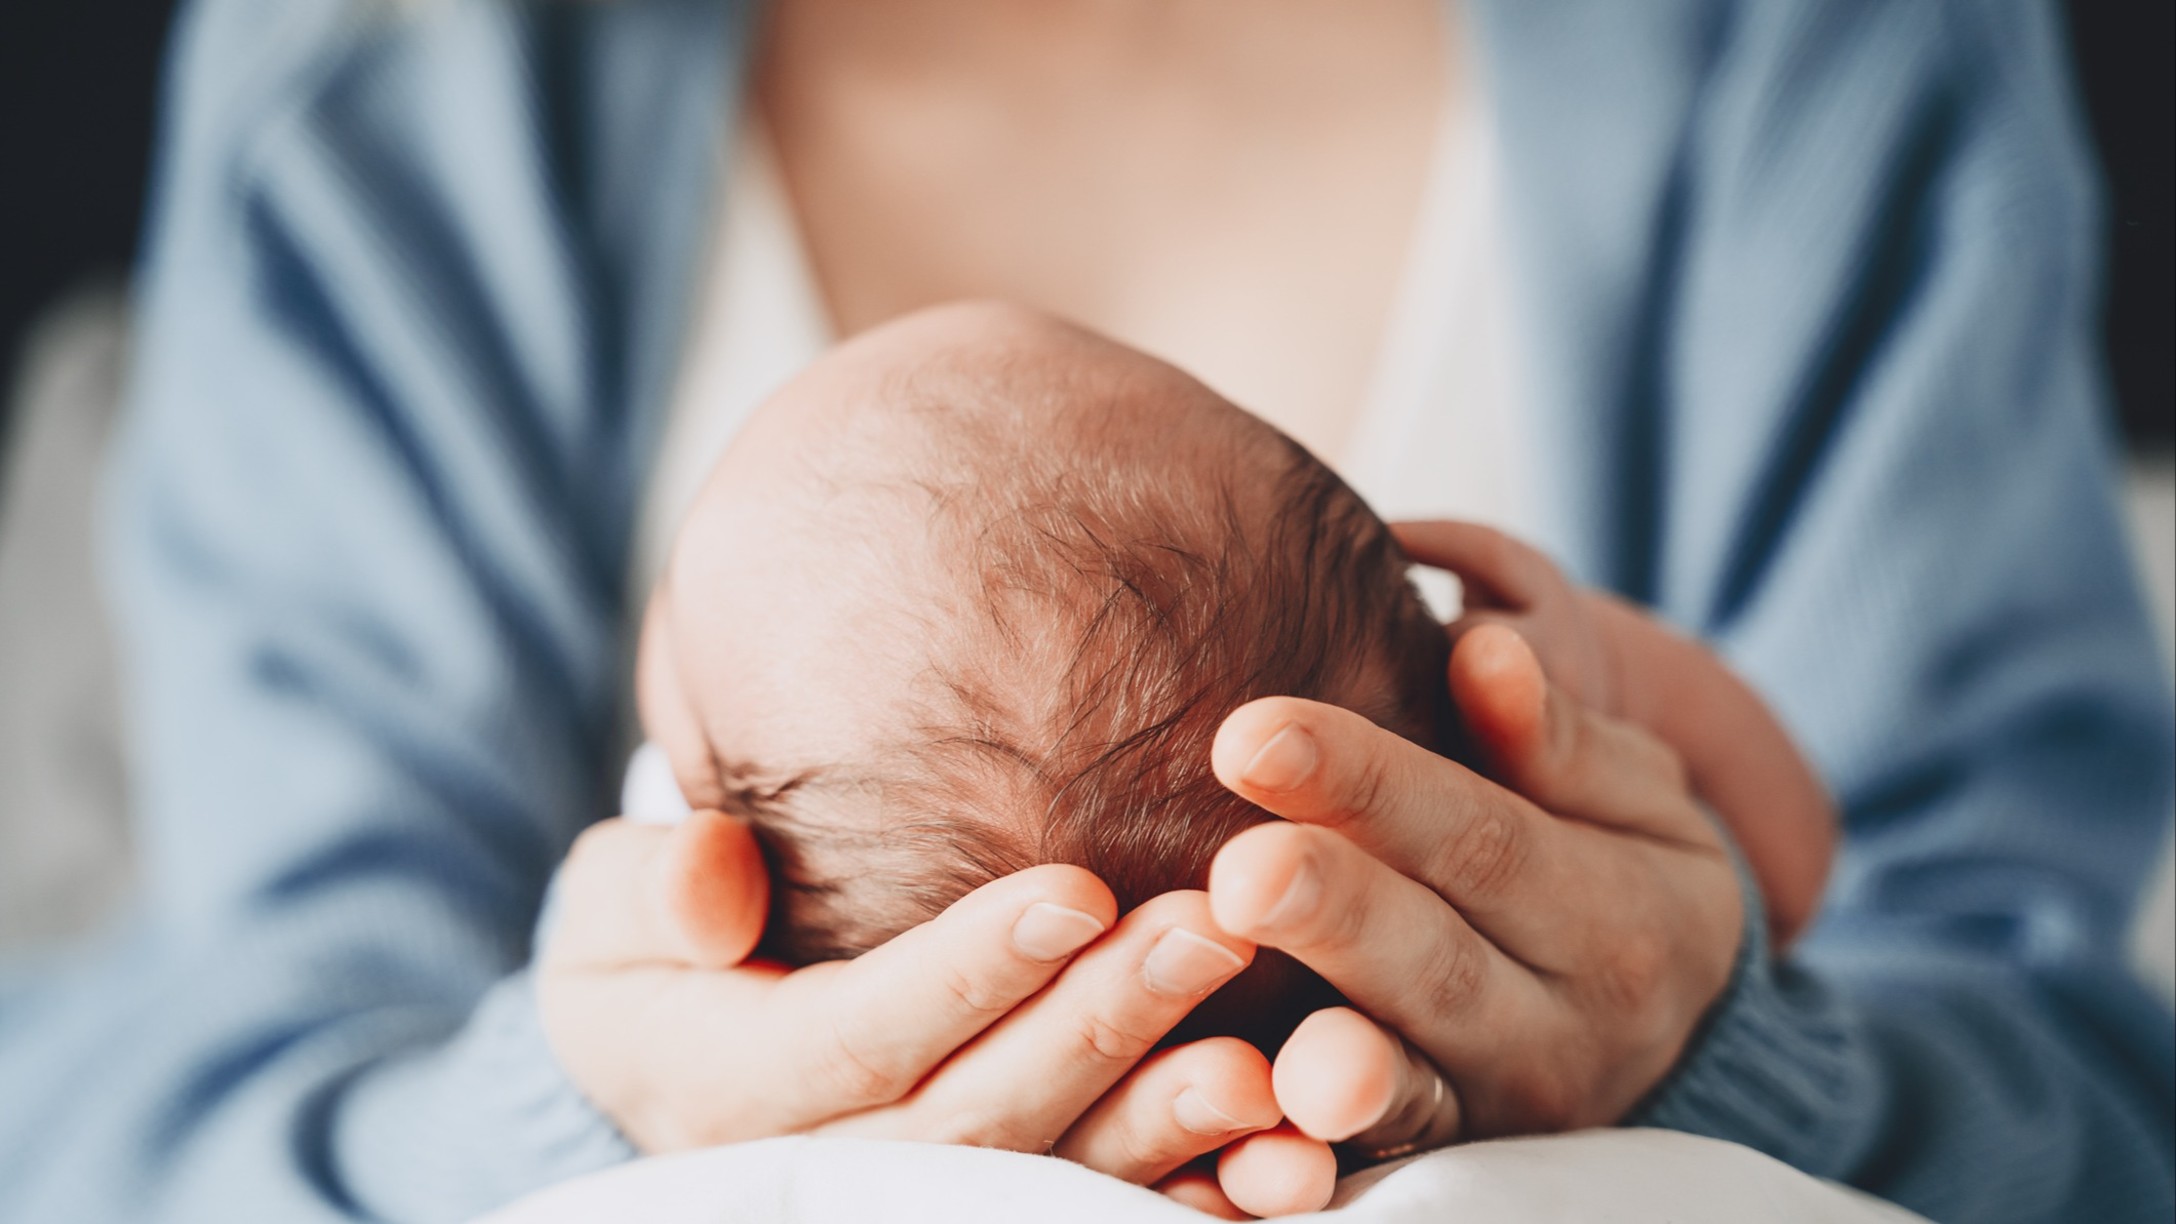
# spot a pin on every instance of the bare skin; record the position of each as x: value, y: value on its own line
x: 748, y: 651
x: 1520, y: 965
x: 800, y: 607
x: 1622, y: 663
x: 1232, y: 187
x: 1575, y: 908
x: 1226, y: 185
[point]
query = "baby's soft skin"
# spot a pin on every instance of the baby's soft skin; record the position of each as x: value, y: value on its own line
x: 960, y: 602
x: 774, y: 672
x: 833, y: 604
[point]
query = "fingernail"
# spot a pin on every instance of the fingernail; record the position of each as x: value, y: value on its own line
x: 1183, y: 963
x: 1046, y: 932
x: 1282, y: 763
x: 1194, y: 1112
x: 1300, y: 898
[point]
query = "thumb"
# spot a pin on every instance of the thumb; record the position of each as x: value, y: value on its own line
x: 1503, y: 697
x: 1540, y: 741
x: 715, y: 888
x: 695, y: 894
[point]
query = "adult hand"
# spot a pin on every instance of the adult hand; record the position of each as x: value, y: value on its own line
x: 1526, y: 954
x: 1022, y: 1017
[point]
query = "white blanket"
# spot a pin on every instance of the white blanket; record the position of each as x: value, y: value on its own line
x: 1595, y: 1177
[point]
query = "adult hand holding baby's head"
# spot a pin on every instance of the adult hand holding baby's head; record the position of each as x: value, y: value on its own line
x: 1530, y: 956
x: 933, y: 1036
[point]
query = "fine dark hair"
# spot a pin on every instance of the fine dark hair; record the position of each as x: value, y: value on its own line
x: 1098, y: 605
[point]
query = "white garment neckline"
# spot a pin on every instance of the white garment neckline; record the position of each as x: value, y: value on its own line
x: 759, y: 319
x: 1435, y: 436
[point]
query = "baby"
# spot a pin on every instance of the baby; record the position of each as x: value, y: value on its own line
x: 974, y: 593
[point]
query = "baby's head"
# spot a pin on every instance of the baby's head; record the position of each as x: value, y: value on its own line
x: 974, y: 593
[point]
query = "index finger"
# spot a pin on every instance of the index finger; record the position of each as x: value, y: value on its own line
x: 862, y: 1033
x: 1480, y: 847
x: 1496, y: 570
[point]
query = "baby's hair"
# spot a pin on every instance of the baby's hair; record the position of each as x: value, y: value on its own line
x: 1094, y: 597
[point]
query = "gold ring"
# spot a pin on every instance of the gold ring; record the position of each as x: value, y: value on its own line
x: 1410, y: 1146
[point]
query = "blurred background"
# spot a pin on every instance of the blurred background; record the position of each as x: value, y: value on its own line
x: 78, y: 85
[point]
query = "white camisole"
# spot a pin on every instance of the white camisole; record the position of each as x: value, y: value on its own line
x: 1437, y: 436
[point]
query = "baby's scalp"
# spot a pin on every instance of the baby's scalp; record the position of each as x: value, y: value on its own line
x: 975, y: 592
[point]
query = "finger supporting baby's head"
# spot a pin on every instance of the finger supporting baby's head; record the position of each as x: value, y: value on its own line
x: 983, y: 604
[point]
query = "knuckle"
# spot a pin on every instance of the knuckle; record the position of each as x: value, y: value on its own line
x: 1345, y: 915
x: 1366, y: 788
x: 1345, y: 924
x: 1112, y: 1040
x: 1140, y: 1147
x: 1631, y: 972
x: 974, y: 996
x: 853, y: 1074
x: 1484, y: 856
x: 1452, y: 981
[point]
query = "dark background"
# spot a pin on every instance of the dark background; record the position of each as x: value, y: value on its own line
x: 78, y: 78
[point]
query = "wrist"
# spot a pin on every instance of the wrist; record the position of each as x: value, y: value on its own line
x: 1773, y: 1063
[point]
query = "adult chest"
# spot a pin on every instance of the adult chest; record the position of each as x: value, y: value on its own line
x: 1233, y: 187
